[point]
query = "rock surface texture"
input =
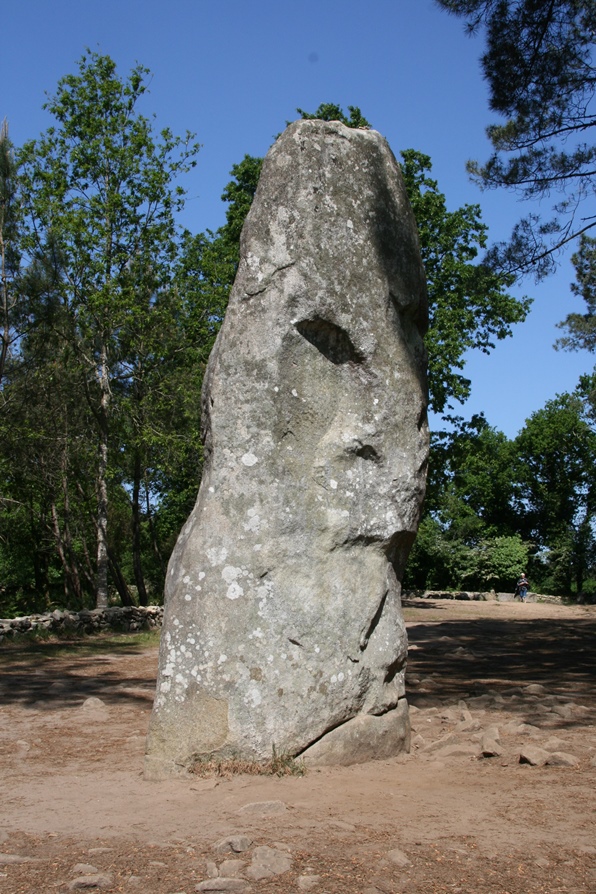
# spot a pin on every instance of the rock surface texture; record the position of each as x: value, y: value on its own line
x: 283, y: 623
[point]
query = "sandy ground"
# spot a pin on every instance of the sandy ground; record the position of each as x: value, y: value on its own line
x: 510, y: 679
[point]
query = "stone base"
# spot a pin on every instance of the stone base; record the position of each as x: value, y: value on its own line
x: 366, y: 737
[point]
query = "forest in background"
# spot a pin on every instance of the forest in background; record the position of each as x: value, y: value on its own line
x: 110, y: 310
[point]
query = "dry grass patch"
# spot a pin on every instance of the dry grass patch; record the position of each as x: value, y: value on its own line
x: 277, y: 765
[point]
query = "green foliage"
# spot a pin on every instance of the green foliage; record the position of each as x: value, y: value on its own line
x: 499, y: 561
x: 470, y: 522
x: 327, y: 111
x: 581, y: 328
x: 539, y: 66
x: 556, y: 456
x: 9, y: 248
x: 469, y: 307
x: 99, y: 203
x: 239, y: 193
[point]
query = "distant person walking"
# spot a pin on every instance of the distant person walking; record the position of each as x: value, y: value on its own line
x: 522, y: 587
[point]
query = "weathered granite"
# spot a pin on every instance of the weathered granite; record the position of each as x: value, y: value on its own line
x: 283, y: 620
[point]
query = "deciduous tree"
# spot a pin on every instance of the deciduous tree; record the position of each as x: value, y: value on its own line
x: 469, y: 306
x: 101, y: 187
x: 555, y: 461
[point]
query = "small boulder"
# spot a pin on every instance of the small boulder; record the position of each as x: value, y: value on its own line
x: 533, y: 755
x: 399, y: 858
x: 267, y: 862
x: 562, y: 759
x: 490, y: 747
x: 91, y: 881
x: 232, y: 868
x: 223, y: 886
x: 236, y: 844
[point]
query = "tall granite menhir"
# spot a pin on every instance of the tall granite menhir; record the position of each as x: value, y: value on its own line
x: 283, y: 624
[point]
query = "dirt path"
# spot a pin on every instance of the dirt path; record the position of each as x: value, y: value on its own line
x: 507, y: 679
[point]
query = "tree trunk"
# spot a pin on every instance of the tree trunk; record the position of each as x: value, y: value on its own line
x: 72, y: 583
x: 156, y: 549
x: 136, y: 533
x: 102, y: 486
x: 121, y: 584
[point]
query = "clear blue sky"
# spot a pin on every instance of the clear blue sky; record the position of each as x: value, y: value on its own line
x: 234, y: 71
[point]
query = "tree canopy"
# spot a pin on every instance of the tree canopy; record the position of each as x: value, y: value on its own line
x: 581, y: 328
x: 98, y: 204
x: 539, y: 67
x: 469, y: 306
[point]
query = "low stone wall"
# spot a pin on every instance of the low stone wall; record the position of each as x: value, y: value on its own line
x: 128, y: 619
x: 472, y: 596
x: 133, y: 618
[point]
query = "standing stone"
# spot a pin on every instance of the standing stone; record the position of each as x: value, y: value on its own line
x: 283, y: 624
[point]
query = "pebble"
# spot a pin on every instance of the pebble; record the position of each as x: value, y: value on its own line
x: 308, y: 882
x: 6, y: 859
x: 399, y: 858
x: 84, y: 869
x: 555, y: 744
x: 564, y: 711
x: 490, y: 747
x: 459, y: 749
x: 214, y: 885
x: 91, y: 881
x: 232, y: 868
x: 562, y: 759
x: 93, y: 704
x: 468, y: 726
x: 533, y: 755
x: 267, y: 862
x: 236, y: 844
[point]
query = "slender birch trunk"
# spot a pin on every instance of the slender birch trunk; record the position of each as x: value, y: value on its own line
x: 102, y: 485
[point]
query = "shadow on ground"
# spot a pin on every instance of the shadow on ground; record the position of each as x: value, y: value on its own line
x: 49, y: 675
x: 466, y: 658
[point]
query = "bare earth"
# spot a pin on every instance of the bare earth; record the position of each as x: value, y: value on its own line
x: 76, y: 812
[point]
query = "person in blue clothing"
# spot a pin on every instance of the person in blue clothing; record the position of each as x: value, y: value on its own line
x: 522, y: 587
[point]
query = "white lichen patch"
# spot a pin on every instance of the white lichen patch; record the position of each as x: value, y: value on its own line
x: 254, y: 696
x: 234, y: 591
x: 231, y: 573
x: 253, y: 524
x: 249, y: 459
x: 217, y: 555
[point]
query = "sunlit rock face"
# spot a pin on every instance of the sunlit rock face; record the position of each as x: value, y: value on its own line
x: 283, y: 624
